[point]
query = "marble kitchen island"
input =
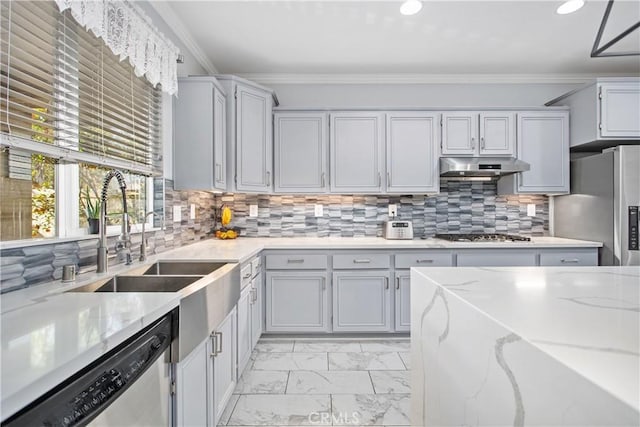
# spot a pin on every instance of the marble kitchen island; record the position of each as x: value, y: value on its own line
x: 525, y: 346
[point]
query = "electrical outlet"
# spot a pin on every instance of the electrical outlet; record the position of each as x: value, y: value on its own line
x: 253, y: 211
x: 393, y: 211
x: 193, y: 211
x: 177, y: 213
x: 318, y: 210
x: 531, y: 209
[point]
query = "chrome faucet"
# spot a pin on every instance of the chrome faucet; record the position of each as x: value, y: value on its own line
x: 123, y: 244
x: 143, y: 244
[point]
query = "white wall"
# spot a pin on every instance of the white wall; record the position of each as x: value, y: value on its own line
x: 417, y: 95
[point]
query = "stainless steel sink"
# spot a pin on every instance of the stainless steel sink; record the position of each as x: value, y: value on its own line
x: 140, y: 284
x: 183, y: 268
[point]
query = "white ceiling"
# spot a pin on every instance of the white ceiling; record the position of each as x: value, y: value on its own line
x: 446, y: 37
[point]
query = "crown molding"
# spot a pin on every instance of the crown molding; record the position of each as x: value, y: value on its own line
x: 177, y: 26
x: 277, y: 78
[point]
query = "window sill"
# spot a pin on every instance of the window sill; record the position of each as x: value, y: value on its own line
x: 16, y: 244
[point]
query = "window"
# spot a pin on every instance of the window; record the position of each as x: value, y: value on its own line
x: 70, y: 110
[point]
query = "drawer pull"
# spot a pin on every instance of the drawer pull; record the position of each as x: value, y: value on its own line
x: 397, y: 283
x: 246, y: 276
x: 295, y: 260
x: 424, y: 261
x: 361, y: 261
x: 386, y: 283
x: 570, y: 261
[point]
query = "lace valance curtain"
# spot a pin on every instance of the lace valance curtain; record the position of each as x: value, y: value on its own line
x: 129, y: 33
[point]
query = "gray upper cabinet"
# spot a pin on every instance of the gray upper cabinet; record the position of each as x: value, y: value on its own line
x: 497, y: 134
x: 199, y: 148
x: 300, y: 152
x: 412, y: 153
x: 543, y: 142
x: 603, y: 113
x: 249, y: 135
x: 459, y: 133
x: 357, y: 150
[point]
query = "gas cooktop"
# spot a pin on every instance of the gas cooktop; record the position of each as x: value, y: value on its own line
x: 496, y: 237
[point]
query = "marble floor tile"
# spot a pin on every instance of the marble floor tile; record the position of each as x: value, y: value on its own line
x: 386, y: 345
x: 266, y: 346
x: 290, y: 362
x: 327, y: 346
x: 365, y: 361
x: 390, y: 381
x: 278, y: 410
x: 329, y: 382
x: 372, y: 409
x: 406, y: 358
x: 262, y: 382
x: 226, y: 414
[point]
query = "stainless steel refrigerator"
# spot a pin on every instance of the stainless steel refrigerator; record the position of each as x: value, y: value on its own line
x: 603, y: 204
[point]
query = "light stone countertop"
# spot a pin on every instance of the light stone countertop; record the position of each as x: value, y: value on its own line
x: 47, y: 335
x: 585, y: 318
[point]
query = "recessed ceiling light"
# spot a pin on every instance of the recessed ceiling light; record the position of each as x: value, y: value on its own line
x: 411, y: 7
x: 569, y: 6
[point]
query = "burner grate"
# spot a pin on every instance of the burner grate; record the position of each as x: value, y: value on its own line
x: 495, y: 237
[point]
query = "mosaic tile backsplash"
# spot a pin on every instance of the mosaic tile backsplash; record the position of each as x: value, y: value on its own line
x: 461, y: 207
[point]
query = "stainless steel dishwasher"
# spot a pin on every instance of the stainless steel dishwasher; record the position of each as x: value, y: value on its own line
x: 128, y: 386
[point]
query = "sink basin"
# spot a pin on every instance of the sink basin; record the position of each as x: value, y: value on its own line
x: 140, y: 284
x: 183, y: 268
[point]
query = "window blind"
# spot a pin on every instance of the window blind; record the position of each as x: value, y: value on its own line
x: 65, y: 94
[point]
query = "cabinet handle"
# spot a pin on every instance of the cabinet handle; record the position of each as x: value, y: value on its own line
x: 424, y: 261
x: 386, y: 283
x: 361, y: 261
x: 218, y: 172
x: 219, y: 341
x: 397, y: 283
x: 379, y: 179
x: 388, y: 179
x: 322, y: 180
x: 473, y: 143
x: 246, y: 276
x: 295, y: 260
x: 214, y: 345
x: 570, y: 261
x: 268, y: 178
x: 324, y: 283
x: 482, y: 143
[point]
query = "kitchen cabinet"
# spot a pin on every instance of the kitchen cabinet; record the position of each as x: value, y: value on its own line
x: 604, y: 112
x: 412, y: 153
x: 569, y: 257
x: 297, y: 301
x: 543, y: 142
x: 472, y: 134
x: 245, y: 344
x: 403, y: 301
x: 361, y: 301
x: 256, y: 310
x: 496, y: 258
x: 199, y: 147
x: 222, y: 351
x: 300, y: 152
x: 356, y: 148
x: 193, y: 392
x: 249, y: 135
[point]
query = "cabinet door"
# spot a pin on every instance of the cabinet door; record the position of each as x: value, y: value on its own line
x: 412, y: 153
x: 361, y: 301
x: 224, y: 365
x: 297, y: 302
x: 253, y: 140
x: 192, y: 387
x: 498, y: 134
x: 356, y: 152
x: 460, y: 133
x: 244, y: 329
x: 193, y: 156
x: 300, y: 152
x: 620, y: 110
x: 219, y: 141
x: 403, y: 303
x: 543, y: 142
x: 256, y: 310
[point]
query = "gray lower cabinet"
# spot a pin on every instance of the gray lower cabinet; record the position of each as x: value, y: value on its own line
x: 256, y: 309
x: 496, y: 258
x: 192, y: 388
x: 244, y: 329
x: 569, y: 257
x: 297, y: 301
x: 361, y: 301
x: 222, y: 350
x: 403, y: 303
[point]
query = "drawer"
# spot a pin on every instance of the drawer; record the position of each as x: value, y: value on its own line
x: 424, y: 259
x: 256, y: 266
x: 496, y: 258
x: 296, y: 262
x: 569, y: 258
x: 245, y: 274
x: 361, y: 261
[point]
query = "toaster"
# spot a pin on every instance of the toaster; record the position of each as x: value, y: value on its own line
x: 398, y: 230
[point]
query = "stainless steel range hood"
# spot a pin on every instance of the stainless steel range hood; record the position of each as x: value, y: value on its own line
x: 468, y: 168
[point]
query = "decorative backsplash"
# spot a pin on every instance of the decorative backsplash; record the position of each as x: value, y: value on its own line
x: 30, y: 265
x: 461, y: 207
